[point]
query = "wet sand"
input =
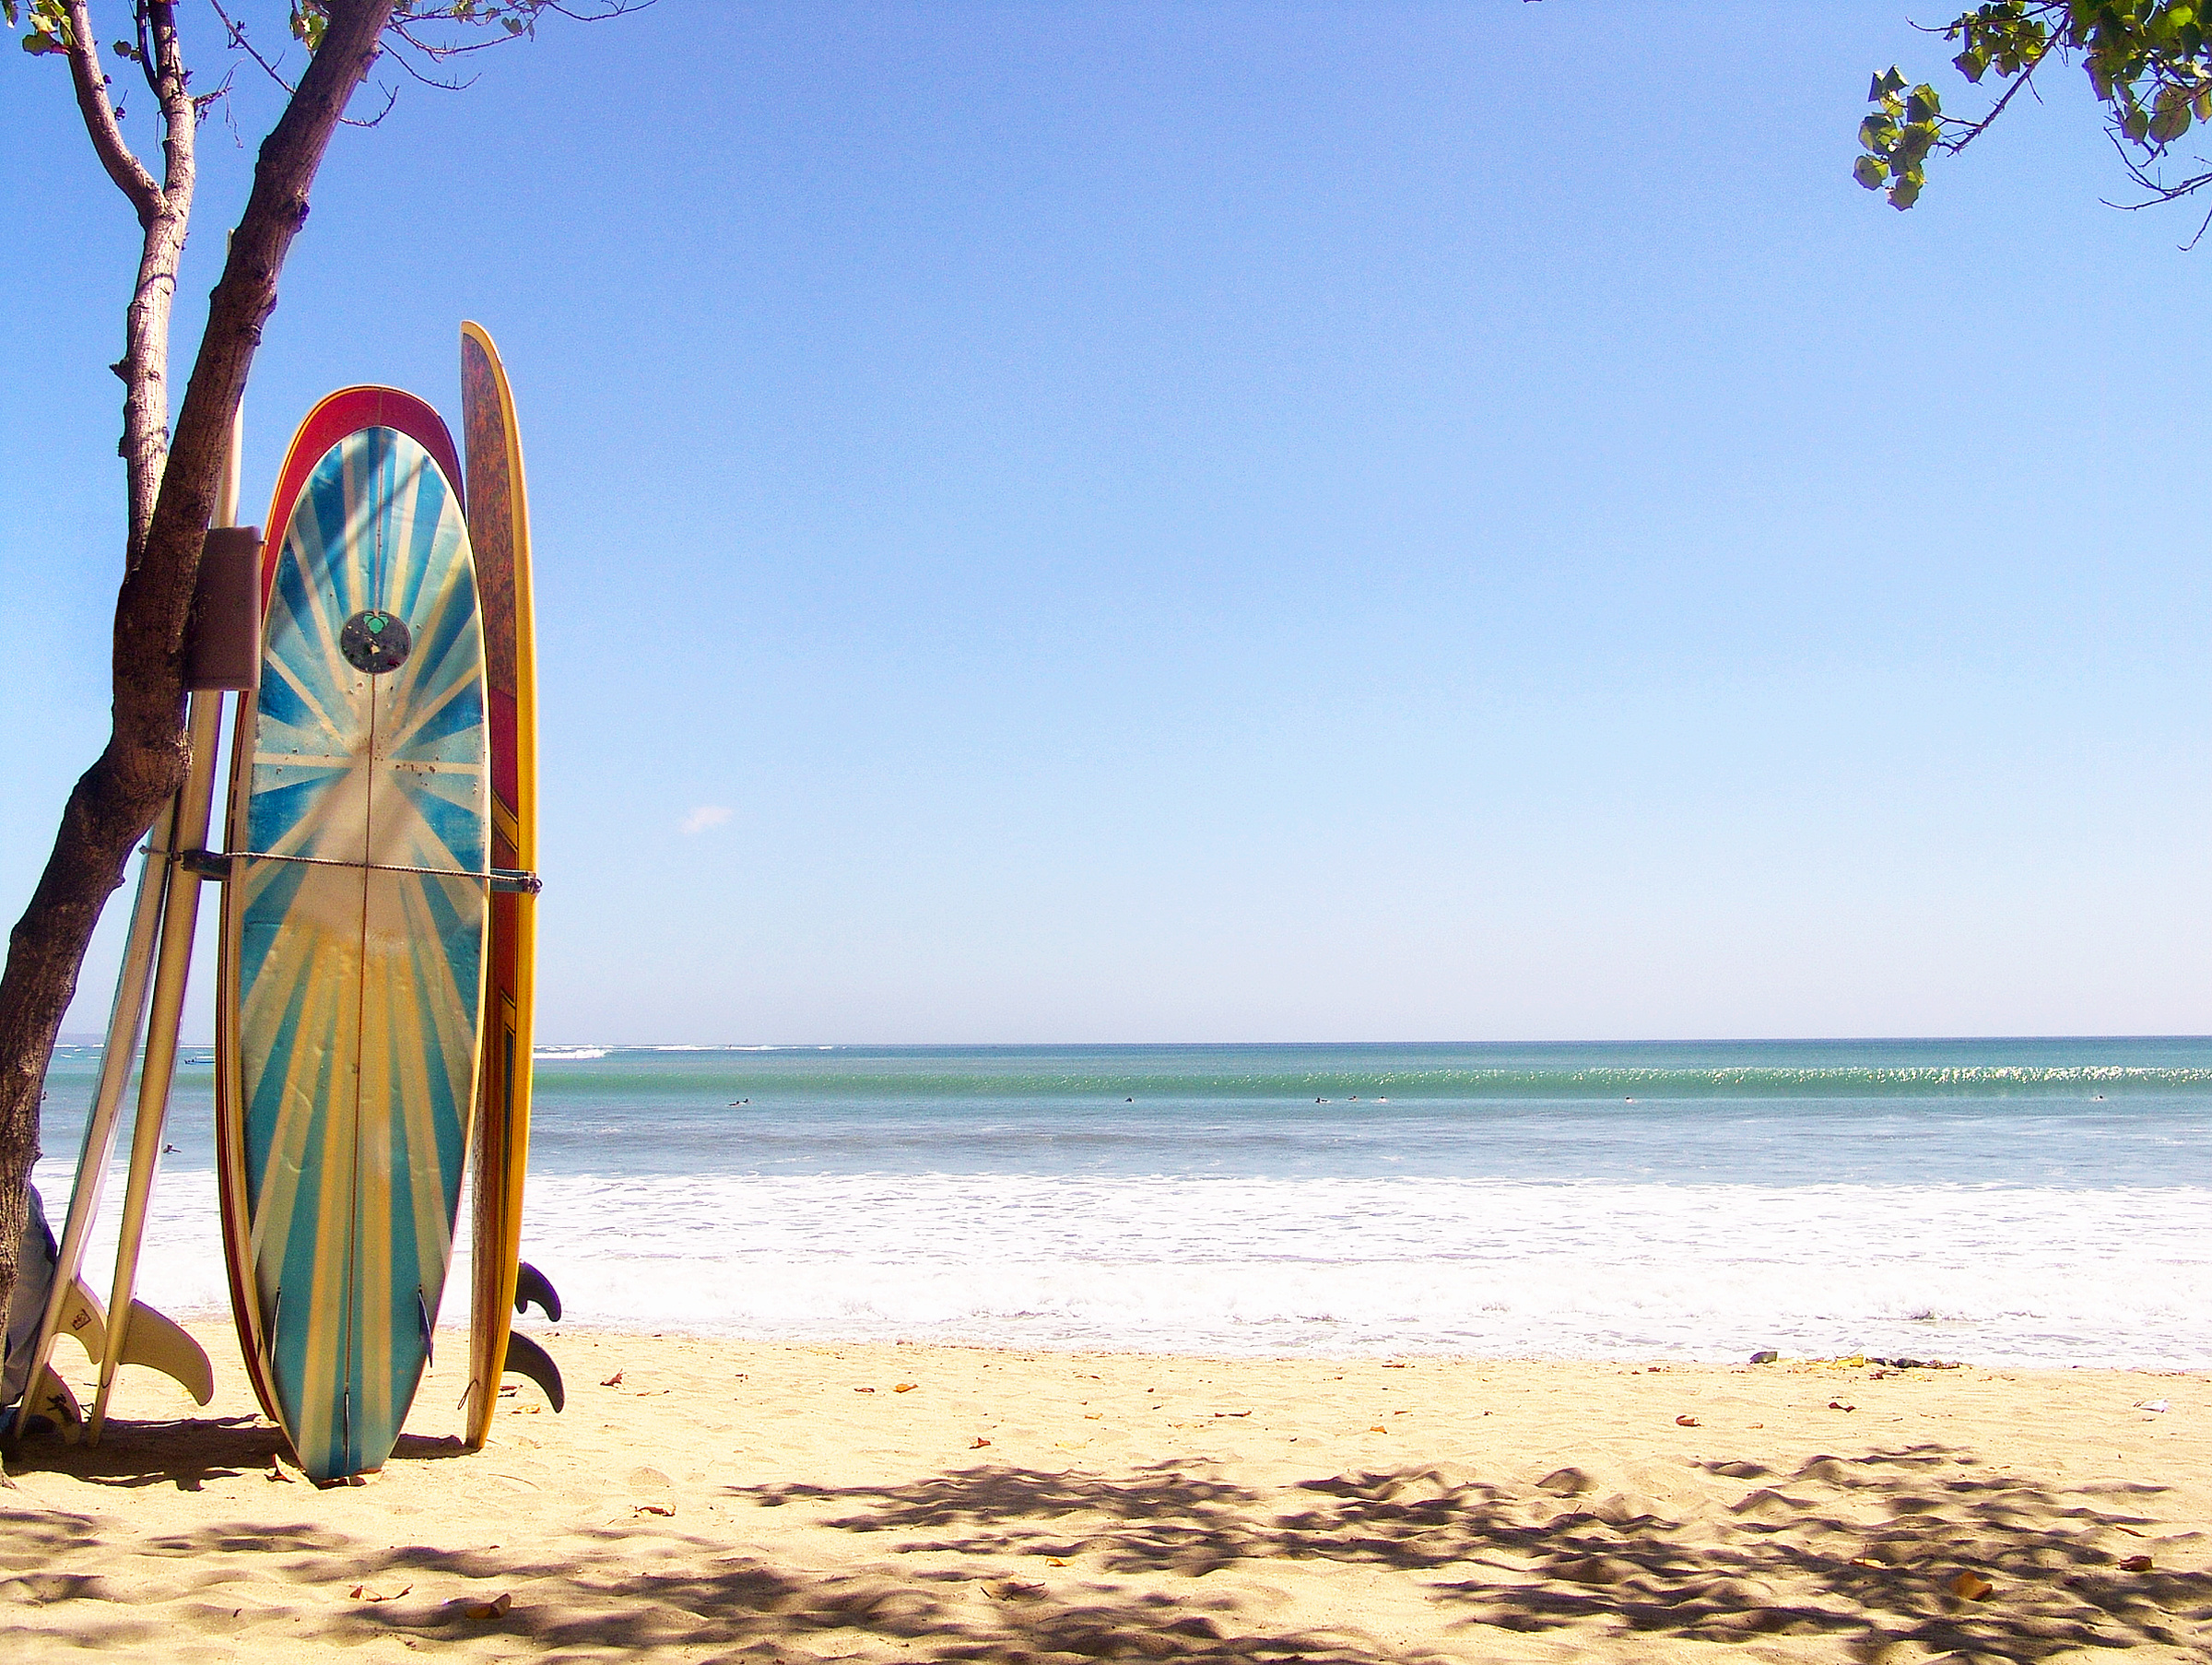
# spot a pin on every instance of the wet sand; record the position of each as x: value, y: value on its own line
x: 717, y: 1500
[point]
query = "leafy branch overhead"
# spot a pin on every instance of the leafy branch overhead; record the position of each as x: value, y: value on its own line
x: 419, y: 32
x: 2149, y: 64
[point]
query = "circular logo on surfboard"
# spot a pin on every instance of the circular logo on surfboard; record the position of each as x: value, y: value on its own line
x: 375, y: 641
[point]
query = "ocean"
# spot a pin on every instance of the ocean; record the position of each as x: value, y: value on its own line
x: 2032, y: 1201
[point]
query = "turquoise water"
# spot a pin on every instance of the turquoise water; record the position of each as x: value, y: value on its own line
x: 2034, y: 1200
x: 2080, y: 1114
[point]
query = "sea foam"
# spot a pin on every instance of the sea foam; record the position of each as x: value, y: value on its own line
x: 1996, y: 1274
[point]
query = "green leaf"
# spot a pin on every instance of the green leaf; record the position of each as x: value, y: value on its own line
x: 49, y: 27
x: 1877, y: 133
x: 1870, y: 171
x: 1916, y: 141
x: 1924, y: 105
x: 1972, y: 64
x: 1905, y: 192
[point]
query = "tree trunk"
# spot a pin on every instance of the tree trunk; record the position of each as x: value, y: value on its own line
x: 115, y: 801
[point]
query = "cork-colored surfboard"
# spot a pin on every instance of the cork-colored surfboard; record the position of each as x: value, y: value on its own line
x: 498, y: 525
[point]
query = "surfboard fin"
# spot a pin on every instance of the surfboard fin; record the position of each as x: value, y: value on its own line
x: 422, y: 1316
x: 84, y: 1318
x: 159, y: 1342
x: 527, y: 1358
x: 51, y: 1399
x: 530, y: 1285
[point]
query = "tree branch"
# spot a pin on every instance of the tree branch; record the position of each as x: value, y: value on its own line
x: 438, y: 52
x: 238, y: 38
x: 145, y: 49
x: 1974, y: 130
x: 108, y: 143
x: 180, y: 117
x: 236, y: 31
x: 399, y: 32
x: 145, y: 364
x: 2160, y: 192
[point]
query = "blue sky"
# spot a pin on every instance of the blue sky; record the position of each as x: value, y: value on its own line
x: 1245, y: 521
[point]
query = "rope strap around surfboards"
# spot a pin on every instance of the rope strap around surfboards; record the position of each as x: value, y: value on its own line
x: 215, y: 865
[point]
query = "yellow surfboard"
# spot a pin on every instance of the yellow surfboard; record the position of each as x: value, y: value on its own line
x: 499, y: 525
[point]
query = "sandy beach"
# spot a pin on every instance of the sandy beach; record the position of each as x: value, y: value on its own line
x: 706, y: 1499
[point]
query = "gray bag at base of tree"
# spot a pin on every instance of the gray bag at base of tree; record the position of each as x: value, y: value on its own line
x: 34, y: 1278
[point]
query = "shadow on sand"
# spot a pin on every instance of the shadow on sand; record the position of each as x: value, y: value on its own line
x: 1862, y: 1552
x: 1865, y: 1550
x: 185, y: 1452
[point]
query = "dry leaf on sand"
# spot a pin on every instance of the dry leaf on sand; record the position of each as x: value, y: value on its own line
x: 2135, y: 1563
x: 1686, y: 1422
x: 612, y: 1381
x: 906, y: 1387
x: 362, y: 1592
x: 494, y: 1608
x: 1971, y: 1586
x: 977, y: 1443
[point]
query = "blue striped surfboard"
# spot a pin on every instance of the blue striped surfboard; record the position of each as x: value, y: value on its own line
x: 355, y: 946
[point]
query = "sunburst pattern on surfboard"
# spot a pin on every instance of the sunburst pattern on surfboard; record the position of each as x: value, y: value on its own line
x: 359, y: 987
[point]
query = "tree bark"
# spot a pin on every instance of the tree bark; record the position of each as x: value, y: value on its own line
x: 116, y: 799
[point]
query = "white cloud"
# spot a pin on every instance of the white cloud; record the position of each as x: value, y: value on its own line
x: 701, y: 818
